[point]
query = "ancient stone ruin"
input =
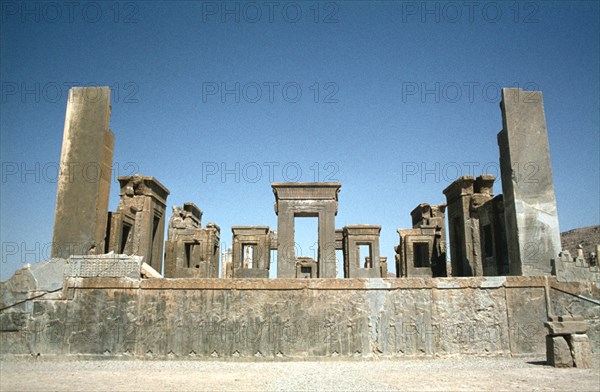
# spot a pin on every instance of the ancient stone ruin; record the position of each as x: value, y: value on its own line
x: 138, y: 225
x: 82, y: 205
x: 309, y: 200
x: 567, y: 344
x: 192, y: 251
x: 476, y: 228
x: 503, y: 280
x: 533, y: 237
x: 422, y: 249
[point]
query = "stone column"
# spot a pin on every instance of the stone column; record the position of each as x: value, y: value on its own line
x: 532, y: 231
x: 286, y: 254
x: 85, y: 172
x: 327, y: 261
x: 458, y: 198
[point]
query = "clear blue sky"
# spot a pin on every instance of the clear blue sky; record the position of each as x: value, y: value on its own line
x: 330, y: 85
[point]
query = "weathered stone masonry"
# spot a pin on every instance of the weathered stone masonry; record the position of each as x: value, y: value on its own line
x: 83, y: 302
x: 187, y: 318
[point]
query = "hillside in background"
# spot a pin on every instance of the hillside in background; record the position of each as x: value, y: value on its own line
x: 589, y: 237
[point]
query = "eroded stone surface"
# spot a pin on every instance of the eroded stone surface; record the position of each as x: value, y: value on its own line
x: 251, y: 251
x: 476, y: 228
x: 32, y: 280
x: 108, y: 265
x: 80, y: 217
x: 287, y: 318
x: 428, y: 235
x: 576, y: 269
x: 558, y: 352
x: 527, y: 314
x: 566, y: 328
x: 532, y: 231
x: 472, y: 321
x: 564, y: 303
x: 138, y: 225
x: 191, y: 250
x: 581, y: 351
x: 149, y: 272
x: 355, y: 236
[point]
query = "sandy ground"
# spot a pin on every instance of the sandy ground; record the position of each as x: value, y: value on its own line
x: 449, y: 374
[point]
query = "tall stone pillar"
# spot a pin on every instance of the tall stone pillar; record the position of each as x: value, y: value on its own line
x: 81, y: 212
x: 327, y: 261
x: 286, y: 251
x: 532, y: 231
x: 458, y: 198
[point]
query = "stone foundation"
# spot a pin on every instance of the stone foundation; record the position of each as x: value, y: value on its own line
x: 289, y: 318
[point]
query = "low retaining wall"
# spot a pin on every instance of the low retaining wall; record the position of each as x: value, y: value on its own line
x: 288, y: 318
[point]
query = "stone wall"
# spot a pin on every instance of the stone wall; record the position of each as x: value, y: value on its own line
x: 576, y: 269
x: 292, y: 318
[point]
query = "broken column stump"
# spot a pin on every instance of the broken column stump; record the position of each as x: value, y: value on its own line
x: 567, y: 343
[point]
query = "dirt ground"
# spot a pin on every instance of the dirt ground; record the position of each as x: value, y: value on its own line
x: 448, y: 374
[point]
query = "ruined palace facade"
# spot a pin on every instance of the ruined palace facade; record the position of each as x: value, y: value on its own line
x: 515, y: 233
x: 116, y: 288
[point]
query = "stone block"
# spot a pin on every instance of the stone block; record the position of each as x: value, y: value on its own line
x: 581, y: 351
x: 32, y: 279
x: 109, y: 265
x: 49, y: 274
x: 570, y: 317
x: 427, y: 234
x: 566, y: 327
x: 149, y: 272
x: 252, y: 273
x: 563, y: 303
x: 306, y: 267
x: 471, y: 321
x: 558, y: 353
x: 526, y: 315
